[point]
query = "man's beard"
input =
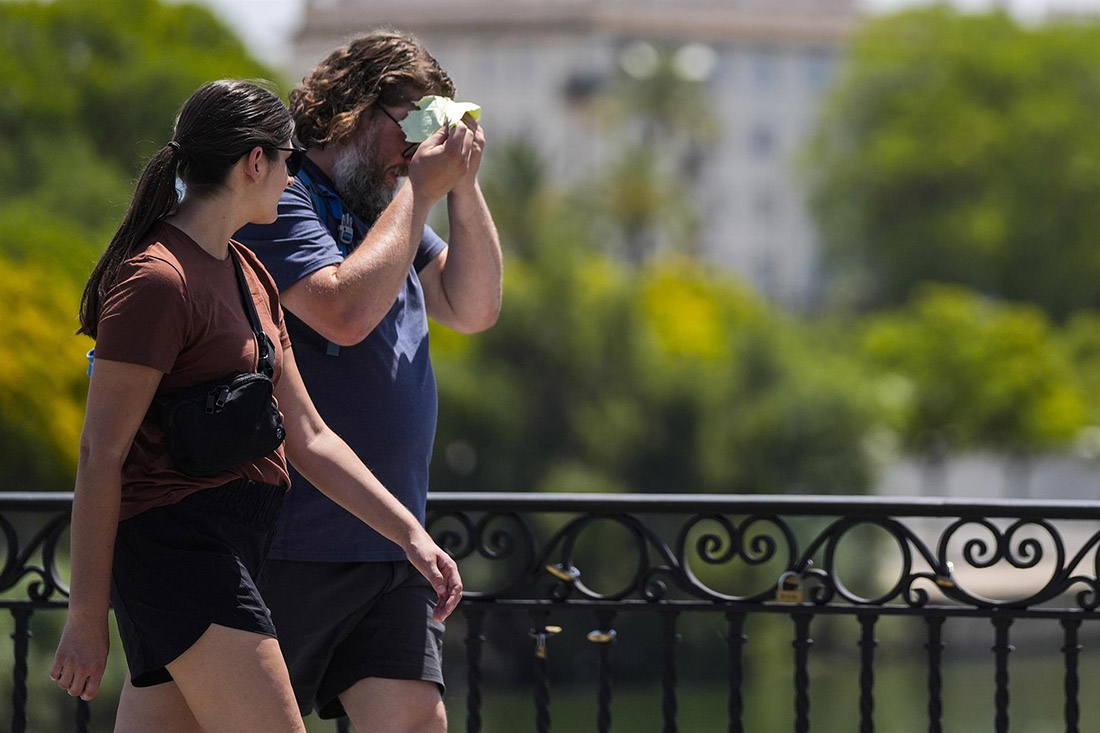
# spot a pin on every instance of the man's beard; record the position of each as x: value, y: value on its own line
x: 361, y: 182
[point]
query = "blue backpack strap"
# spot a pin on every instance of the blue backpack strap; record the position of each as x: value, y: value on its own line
x: 329, y: 207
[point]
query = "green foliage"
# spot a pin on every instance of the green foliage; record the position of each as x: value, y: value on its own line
x: 657, y: 376
x: 660, y: 378
x: 959, y: 371
x: 87, y: 91
x: 42, y: 382
x: 638, y: 208
x: 640, y: 204
x: 963, y: 148
x: 111, y: 73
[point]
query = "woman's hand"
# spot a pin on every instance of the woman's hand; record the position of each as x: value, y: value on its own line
x: 81, y: 657
x: 440, y: 570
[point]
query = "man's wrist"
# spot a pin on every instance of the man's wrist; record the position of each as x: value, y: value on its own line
x: 464, y: 189
x: 420, y: 203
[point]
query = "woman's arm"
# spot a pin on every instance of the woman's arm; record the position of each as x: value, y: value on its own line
x: 118, y: 398
x: 329, y: 464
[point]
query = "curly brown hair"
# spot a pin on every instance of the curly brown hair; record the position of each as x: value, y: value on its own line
x: 385, y: 65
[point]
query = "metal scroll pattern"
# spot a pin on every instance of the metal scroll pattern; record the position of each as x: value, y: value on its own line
x: 36, y: 559
x: 700, y: 557
x: 612, y: 556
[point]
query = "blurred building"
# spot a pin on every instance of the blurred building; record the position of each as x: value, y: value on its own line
x: 535, y: 64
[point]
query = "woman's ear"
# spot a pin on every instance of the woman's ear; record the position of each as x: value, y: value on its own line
x: 252, y: 163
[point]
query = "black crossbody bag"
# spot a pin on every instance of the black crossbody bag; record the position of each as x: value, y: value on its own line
x: 215, y: 426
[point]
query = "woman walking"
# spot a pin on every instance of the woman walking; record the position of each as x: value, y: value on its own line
x: 174, y: 538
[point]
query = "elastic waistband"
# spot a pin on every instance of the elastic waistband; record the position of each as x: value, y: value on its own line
x: 250, y: 502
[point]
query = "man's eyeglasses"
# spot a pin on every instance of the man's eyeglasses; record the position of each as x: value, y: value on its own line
x: 410, y: 149
x: 294, y: 160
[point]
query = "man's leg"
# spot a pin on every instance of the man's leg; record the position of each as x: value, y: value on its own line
x: 160, y: 708
x: 378, y: 705
x: 236, y: 680
x: 387, y: 671
x: 315, y: 606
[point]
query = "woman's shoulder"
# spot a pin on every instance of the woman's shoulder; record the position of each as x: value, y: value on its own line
x: 156, y: 265
x: 252, y: 262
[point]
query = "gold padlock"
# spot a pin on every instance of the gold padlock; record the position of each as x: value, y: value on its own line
x: 946, y: 579
x: 540, y: 636
x: 789, y: 588
x: 567, y: 574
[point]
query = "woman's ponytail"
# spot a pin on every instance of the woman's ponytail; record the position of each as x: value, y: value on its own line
x: 155, y: 197
x: 217, y: 124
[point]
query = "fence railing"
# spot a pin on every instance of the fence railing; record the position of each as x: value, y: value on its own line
x: 549, y: 556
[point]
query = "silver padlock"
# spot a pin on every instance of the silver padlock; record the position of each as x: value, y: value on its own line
x: 789, y: 588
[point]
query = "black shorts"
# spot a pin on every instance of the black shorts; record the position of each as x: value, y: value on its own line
x: 182, y: 567
x: 343, y: 622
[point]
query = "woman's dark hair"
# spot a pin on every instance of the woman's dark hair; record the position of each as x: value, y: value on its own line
x: 219, y: 123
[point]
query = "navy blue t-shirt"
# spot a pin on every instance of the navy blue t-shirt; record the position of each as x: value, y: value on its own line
x: 378, y: 395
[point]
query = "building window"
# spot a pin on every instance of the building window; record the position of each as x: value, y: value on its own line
x: 762, y: 141
x: 765, y: 205
x: 765, y: 69
x: 488, y: 63
x: 765, y: 270
x: 580, y: 87
x: 818, y: 67
x: 726, y: 69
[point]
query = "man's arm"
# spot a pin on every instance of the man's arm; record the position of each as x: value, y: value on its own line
x: 345, y: 302
x: 462, y: 285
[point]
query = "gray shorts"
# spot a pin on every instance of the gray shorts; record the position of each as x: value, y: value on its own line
x: 339, y: 623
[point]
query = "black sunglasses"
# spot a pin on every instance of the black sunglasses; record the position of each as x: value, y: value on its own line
x: 294, y: 160
x: 410, y: 149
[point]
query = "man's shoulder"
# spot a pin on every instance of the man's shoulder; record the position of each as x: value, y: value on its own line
x: 296, y: 193
x: 295, y: 203
x: 297, y: 243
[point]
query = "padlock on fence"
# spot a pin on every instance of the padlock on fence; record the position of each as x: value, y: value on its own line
x: 789, y: 588
x: 540, y: 636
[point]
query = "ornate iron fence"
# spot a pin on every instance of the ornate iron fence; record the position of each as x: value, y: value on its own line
x: 546, y: 555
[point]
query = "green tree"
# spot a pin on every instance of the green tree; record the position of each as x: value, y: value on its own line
x: 110, y: 74
x: 957, y: 371
x: 655, y: 110
x: 87, y: 91
x: 963, y: 148
x: 664, y: 377
x: 1082, y: 337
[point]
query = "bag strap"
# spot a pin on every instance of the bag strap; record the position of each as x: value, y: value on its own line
x: 266, y: 362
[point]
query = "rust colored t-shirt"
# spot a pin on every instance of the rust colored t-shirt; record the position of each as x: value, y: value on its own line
x: 178, y: 309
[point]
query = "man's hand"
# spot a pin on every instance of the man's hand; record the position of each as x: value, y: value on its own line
x: 440, y: 570
x: 442, y: 161
x: 81, y: 657
x: 466, y: 183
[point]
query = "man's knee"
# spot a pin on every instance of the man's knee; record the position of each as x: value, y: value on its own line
x: 432, y: 719
x: 421, y: 714
x: 377, y: 705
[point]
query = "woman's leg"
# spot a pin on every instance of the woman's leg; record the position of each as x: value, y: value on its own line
x: 236, y: 680
x: 160, y: 708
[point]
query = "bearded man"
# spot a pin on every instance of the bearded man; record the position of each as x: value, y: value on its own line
x: 359, y: 272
